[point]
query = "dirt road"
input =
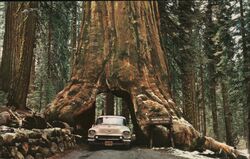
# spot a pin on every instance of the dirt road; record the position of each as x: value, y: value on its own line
x: 133, y: 153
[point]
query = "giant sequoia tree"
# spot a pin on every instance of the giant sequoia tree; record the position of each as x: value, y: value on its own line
x: 20, y: 84
x: 10, y: 57
x: 19, y: 42
x: 119, y: 50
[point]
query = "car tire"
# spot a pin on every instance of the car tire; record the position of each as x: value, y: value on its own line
x: 92, y: 147
x: 127, y: 147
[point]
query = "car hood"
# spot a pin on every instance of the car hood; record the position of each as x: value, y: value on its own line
x: 109, y: 129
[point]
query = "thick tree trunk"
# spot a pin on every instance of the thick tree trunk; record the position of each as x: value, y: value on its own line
x: 9, y: 64
x: 32, y: 75
x: 18, y: 93
x: 212, y: 97
x: 198, y: 109
x: 203, y: 106
x: 187, y: 61
x: 227, y: 114
x: 40, y: 95
x: 211, y: 67
x: 246, y: 69
x: 188, y: 90
x: 120, y: 50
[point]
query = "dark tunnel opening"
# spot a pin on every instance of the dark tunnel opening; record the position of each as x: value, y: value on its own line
x: 121, y: 98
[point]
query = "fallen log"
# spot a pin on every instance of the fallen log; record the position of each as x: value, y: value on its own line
x: 5, y: 118
x: 23, y: 119
x: 54, y: 148
x: 18, y: 119
x: 24, y: 148
x: 36, y: 143
x: 15, y: 153
x: 29, y: 157
x: 60, y: 124
x: 34, y: 122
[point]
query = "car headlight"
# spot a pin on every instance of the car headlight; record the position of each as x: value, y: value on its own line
x: 126, y: 134
x: 91, y: 133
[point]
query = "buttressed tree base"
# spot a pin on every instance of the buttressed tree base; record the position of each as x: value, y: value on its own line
x: 119, y: 49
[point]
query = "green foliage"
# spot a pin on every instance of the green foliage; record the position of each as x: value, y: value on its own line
x: 57, y: 14
x: 226, y: 51
x: 170, y: 31
x: 52, y: 66
x: 100, y: 99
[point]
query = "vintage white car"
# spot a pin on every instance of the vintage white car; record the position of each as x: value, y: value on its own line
x: 110, y: 131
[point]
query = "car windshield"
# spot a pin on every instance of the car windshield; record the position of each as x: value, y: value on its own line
x: 111, y: 121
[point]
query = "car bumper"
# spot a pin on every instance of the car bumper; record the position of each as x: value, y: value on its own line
x: 94, y: 141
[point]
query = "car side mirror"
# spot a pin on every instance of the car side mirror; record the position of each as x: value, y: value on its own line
x: 133, y: 137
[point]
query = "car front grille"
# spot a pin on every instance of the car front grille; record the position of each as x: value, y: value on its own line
x: 109, y: 131
x: 102, y: 137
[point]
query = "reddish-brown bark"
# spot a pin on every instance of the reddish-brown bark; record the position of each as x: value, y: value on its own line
x: 25, y: 45
x: 119, y: 49
x: 10, y: 56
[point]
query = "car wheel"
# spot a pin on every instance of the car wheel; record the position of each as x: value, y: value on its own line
x: 127, y: 147
x: 92, y: 147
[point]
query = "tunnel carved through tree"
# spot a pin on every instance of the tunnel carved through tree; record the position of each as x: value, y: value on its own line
x: 119, y: 50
